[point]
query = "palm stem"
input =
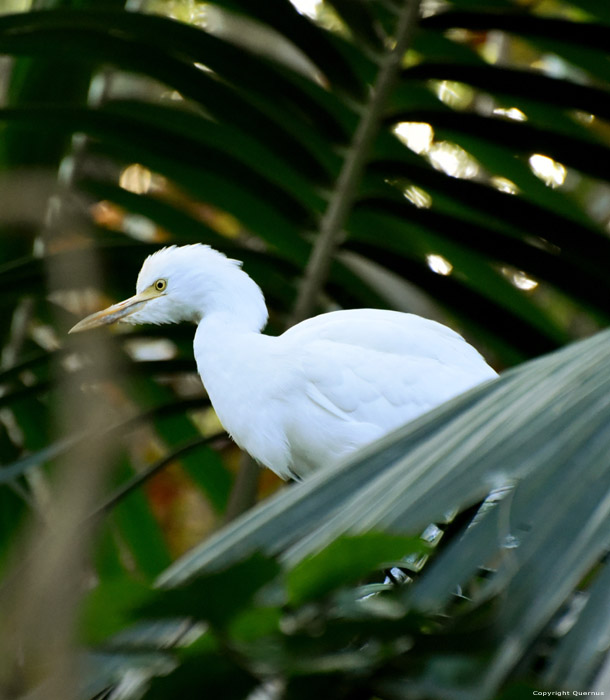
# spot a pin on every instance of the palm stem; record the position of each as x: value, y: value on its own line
x: 344, y: 194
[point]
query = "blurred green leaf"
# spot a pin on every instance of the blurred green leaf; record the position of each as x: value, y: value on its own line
x: 139, y: 533
x: 360, y: 20
x: 344, y: 561
x: 217, y: 597
x: 255, y: 121
x: 520, y: 83
x: 107, y: 608
x: 318, y: 46
x: 583, y: 648
x: 205, y: 668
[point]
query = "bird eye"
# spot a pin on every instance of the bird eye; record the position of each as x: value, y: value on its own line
x: 160, y: 285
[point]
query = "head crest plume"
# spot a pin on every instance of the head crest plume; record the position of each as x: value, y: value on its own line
x: 193, y: 249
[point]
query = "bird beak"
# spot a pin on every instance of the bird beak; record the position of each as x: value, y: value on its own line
x: 116, y: 312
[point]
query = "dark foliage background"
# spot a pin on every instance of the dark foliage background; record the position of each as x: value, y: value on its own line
x: 445, y: 158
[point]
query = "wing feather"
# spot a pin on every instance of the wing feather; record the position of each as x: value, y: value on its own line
x: 382, y: 367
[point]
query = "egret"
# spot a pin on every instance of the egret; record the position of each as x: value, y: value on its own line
x: 319, y: 391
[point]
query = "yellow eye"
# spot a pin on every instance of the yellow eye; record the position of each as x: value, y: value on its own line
x: 160, y: 285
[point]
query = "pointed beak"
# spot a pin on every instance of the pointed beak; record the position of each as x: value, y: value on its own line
x: 116, y: 312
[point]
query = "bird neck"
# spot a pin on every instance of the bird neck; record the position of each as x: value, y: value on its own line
x: 232, y: 301
x: 224, y: 345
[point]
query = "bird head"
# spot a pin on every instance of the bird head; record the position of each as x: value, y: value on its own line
x: 186, y: 283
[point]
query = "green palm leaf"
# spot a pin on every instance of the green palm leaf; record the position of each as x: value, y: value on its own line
x: 253, y: 139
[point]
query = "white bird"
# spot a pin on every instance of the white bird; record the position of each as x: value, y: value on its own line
x: 312, y: 395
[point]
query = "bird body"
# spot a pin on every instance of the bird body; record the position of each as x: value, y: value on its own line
x: 317, y: 392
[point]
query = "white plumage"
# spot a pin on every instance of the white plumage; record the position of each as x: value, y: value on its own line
x: 315, y: 393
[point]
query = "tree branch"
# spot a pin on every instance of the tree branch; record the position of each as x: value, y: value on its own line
x: 342, y: 199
